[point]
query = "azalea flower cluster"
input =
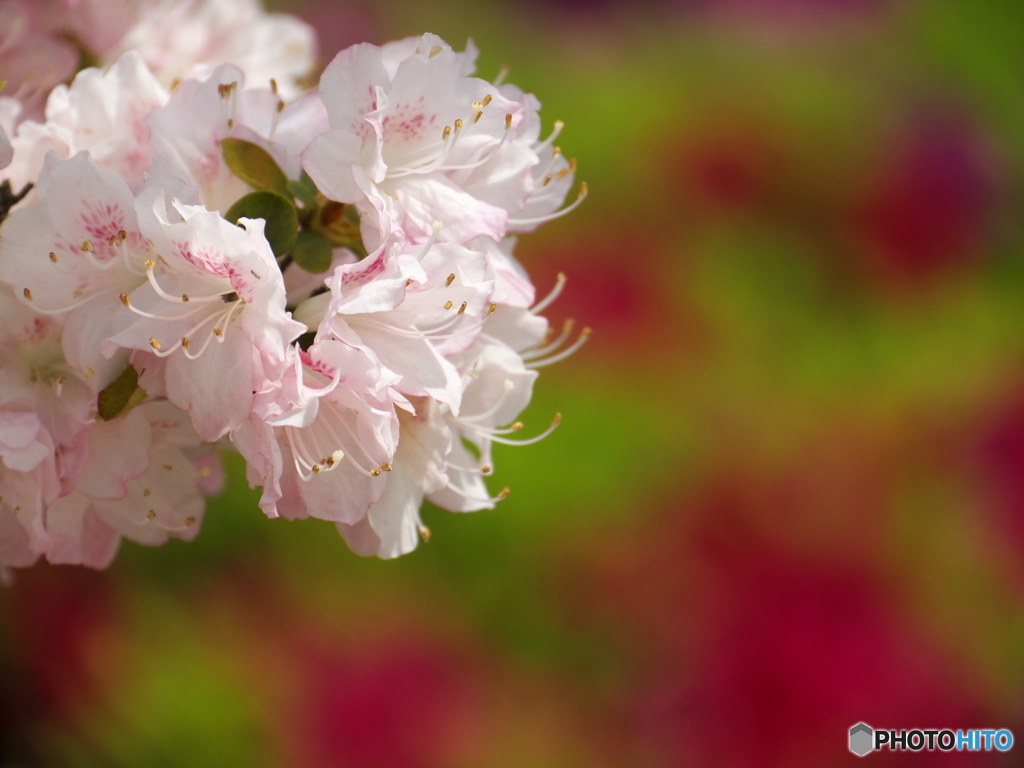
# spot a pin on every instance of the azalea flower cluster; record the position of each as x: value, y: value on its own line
x: 197, y: 250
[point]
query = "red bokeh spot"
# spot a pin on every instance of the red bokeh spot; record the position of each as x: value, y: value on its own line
x: 928, y: 206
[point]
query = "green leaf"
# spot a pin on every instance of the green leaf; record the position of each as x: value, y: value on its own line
x: 304, y: 194
x: 254, y: 165
x: 312, y: 252
x: 282, y: 222
x: 121, y: 395
x: 308, y: 181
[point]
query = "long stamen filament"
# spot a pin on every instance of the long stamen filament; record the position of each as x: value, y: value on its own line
x: 484, y: 470
x: 86, y: 248
x: 557, y: 129
x: 26, y: 298
x: 432, y: 334
x: 489, y: 500
x: 485, y: 158
x: 184, y: 298
x: 557, y: 153
x: 340, y: 418
x: 186, y: 340
x: 435, y: 230
x: 547, y: 300
x: 554, y: 345
x: 126, y: 300
x: 122, y: 247
x: 218, y: 332
x: 450, y: 139
x: 557, y: 214
x: 529, y: 441
x: 584, y: 335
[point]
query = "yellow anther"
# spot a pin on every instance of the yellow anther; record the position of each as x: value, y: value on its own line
x: 124, y: 300
x: 28, y: 294
x: 154, y: 344
x: 447, y: 304
x: 53, y: 257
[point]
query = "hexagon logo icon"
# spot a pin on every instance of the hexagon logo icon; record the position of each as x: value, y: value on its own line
x: 861, y: 739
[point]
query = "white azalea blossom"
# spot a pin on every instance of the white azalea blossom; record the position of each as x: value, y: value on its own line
x: 197, y: 252
x: 200, y: 114
x: 188, y: 39
x: 425, y: 143
x: 102, y: 112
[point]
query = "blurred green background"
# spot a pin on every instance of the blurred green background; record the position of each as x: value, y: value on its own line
x: 788, y: 491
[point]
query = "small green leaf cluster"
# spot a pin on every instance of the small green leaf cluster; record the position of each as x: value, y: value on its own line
x: 301, y: 225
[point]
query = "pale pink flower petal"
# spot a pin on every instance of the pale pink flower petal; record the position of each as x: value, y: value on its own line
x: 24, y: 444
x: 180, y: 40
x: 417, y: 140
